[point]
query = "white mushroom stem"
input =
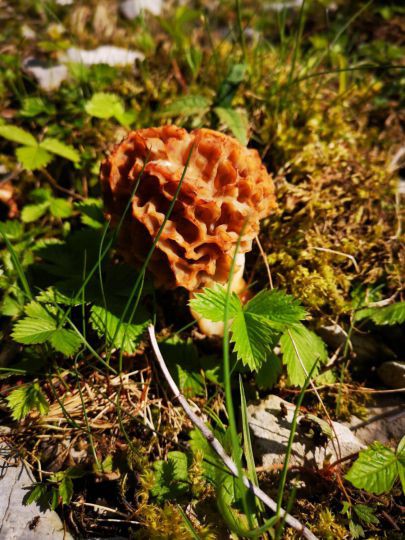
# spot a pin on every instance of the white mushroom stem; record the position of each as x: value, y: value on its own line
x: 238, y: 284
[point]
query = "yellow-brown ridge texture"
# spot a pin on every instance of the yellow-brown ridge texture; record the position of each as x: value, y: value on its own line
x: 224, y: 186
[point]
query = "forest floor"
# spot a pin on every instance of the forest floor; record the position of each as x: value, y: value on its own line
x: 319, y: 91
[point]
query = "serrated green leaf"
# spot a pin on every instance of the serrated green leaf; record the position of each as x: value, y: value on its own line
x: 65, y: 341
x: 65, y: 490
x: 33, y: 157
x: 375, y: 470
x: 277, y: 306
x: 13, y: 230
x: 252, y: 338
x: 236, y: 121
x: 35, y: 493
x: 91, y: 212
x: 127, y: 337
x: 185, y: 106
x: 301, y: 348
x: 210, y: 303
x: 60, y: 149
x: 60, y: 208
x: 388, y: 315
x: 32, y: 212
x: 104, y: 105
x: 36, y: 311
x: 125, y: 118
x: 171, y: 476
x: 356, y: 530
x: 269, y: 372
x: 26, y: 398
x: 366, y: 514
x: 18, y: 135
x: 30, y: 331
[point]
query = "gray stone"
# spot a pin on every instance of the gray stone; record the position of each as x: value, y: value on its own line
x: 19, y: 522
x: 392, y: 374
x: 271, y: 428
x: 385, y: 422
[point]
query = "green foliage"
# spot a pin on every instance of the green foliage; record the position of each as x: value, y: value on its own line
x: 359, y: 512
x: 171, y: 477
x: 256, y: 328
x: 45, y: 202
x: 183, y: 362
x: 301, y: 348
x: 25, y: 399
x: 106, y: 105
x: 378, y: 467
x: 35, y: 155
x: 41, y: 325
x: 119, y: 334
x: 236, y: 120
x: 388, y: 315
x: 185, y: 106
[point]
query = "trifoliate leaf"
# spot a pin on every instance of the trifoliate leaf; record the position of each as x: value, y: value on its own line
x: 253, y: 339
x: 301, y: 348
x: 60, y: 149
x: 126, y: 118
x: 388, y: 315
x: 18, y: 135
x: 375, y: 470
x: 104, y: 105
x: 26, y: 398
x: 60, y: 208
x: 278, y: 307
x: 236, y: 121
x: 33, y: 157
x: 32, y: 212
x: 356, y: 530
x: 65, y: 341
x: 127, y: 336
x: 210, y: 303
x: 185, y: 106
x: 171, y: 477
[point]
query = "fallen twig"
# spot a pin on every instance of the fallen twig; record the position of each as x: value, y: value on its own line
x: 219, y: 449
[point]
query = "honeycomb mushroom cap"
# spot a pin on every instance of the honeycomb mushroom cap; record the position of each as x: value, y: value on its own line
x: 225, y: 184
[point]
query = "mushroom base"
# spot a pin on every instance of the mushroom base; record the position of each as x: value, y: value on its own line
x: 238, y: 286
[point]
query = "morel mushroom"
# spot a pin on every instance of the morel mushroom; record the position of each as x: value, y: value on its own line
x: 225, y: 189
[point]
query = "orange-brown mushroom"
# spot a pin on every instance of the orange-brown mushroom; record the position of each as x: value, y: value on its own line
x: 225, y: 188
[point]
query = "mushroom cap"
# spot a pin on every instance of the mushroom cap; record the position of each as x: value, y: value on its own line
x: 224, y: 186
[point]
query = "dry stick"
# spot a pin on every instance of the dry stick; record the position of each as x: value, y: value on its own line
x: 219, y: 449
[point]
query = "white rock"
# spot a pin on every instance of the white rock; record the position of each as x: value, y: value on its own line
x: 106, y: 54
x: 271, y: 431
x: 16, y: 519
x: 49, y: 78
x: 132, y: 8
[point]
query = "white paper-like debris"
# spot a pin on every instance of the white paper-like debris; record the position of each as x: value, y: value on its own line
x: 106, y: 54
x: 64, y: 2
x: 132, y: 8
x: 279, y: 6
x: 49, y: 78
